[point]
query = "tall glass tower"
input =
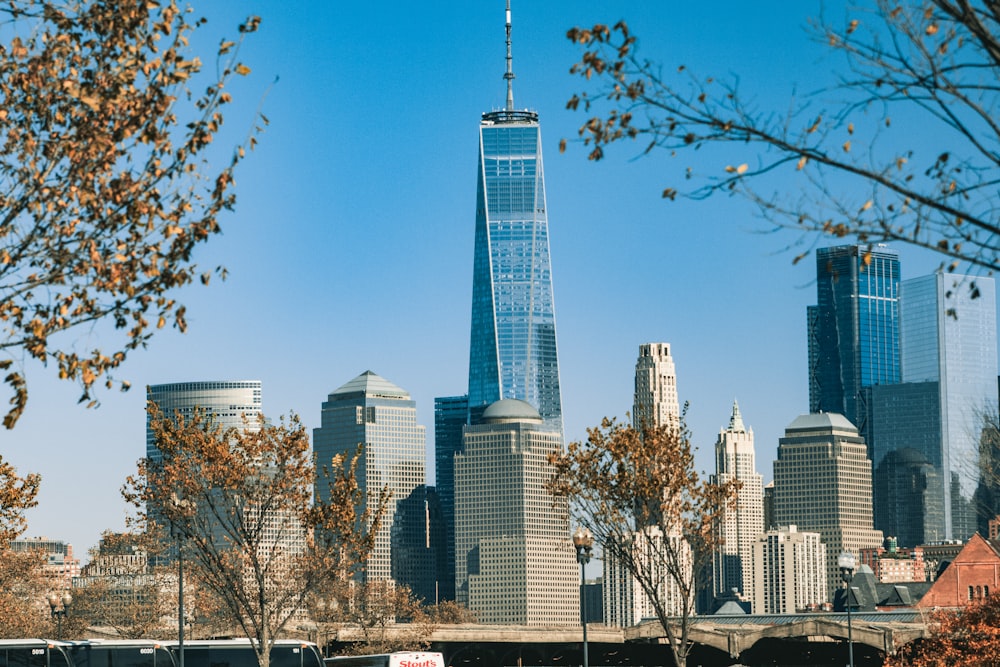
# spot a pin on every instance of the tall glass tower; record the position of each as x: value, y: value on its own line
x: 853, y: 328
x: 512, y: 350
x: 949, y: 337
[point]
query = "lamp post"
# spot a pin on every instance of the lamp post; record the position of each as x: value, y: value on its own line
x: 584, y: 543
x: 59, y: 606
x: 845, y: 561
x: 183, y: 506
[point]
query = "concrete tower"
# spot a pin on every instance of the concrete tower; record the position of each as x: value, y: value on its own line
x: 655, y: 402
x: 373, y: 412
x: 823, y: 484
x: 514, y: 561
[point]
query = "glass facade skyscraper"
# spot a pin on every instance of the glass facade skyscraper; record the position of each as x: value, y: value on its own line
x: 949, y: 337
x: 903, y: 432
x: 512, y: 352
x: 451, y: 414
x: 853, y: 328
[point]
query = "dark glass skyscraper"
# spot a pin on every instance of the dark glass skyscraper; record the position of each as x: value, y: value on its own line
x: 512, y: 350
x: 853, y: 328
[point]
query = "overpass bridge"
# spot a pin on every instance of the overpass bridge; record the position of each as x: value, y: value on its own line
x: 719, y: 640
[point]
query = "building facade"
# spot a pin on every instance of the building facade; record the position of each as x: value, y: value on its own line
x: 625, y: 602
x: 381, y: 417
x: 228, y: 404
x: 791, y: 568
x: 892, y: 564
x: 655, y: 402
x: 512, y: 352
x: 853, y: 328
x: 514, y: 561
x: 823, y: 484
x: 741, y: 525
x: 903, y: 433
x: 973, y: 575
x: 451, y: 414
x: 61, y: 566
x: 949, y: 338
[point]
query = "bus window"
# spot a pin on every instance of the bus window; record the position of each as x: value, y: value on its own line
x: 237, y: 653
x: 28, y: 653
x: 120, y: 654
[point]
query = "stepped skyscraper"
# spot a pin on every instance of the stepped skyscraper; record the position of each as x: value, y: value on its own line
x: 743, y: 523
x: 655, y: 402
x: 512, y: 353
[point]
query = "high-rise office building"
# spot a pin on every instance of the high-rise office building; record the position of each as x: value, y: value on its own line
x: 514, y: 561
x: 625, y: 602
x: 742, y: 524
x: 451, y: 414
x: 233, y: 404
x: 512, y: 352
x: 655, y: 402
x: 791, y: 568
x: 853, y: 328
x: 903, y: 434
x: 228, y: 404
x: 823, y: 484
x: 372, y: 412
x: 949, y: 337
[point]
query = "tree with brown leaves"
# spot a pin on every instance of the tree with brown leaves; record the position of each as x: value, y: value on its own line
x: 242, y: 501
x: 105, y: 184
x: 969, y: 637
x: 636, y: 490
x: 23, y: 583
x: 854, y: 168
x: 127, y: 586
x: 23, y: 587
x: 17, y: 494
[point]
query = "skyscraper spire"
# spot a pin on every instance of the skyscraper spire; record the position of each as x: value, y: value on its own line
x: 736, y: 421
x: 509, y: 74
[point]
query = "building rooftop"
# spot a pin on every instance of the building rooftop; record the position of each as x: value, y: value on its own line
x: 370, y: 384
x: 821, y: 421
x: 511, y: 409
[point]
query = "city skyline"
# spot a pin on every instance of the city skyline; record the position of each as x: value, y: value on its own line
x: 350, y: 246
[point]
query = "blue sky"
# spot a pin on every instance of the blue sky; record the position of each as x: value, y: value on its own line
x: 351, y: 246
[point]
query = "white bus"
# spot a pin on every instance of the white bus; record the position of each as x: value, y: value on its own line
x: 400, y: 659
x: 240, y: 653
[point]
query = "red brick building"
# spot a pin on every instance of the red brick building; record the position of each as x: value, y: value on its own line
x: 974, y: 574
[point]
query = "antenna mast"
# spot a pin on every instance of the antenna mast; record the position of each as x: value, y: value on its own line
x: 509, y: 74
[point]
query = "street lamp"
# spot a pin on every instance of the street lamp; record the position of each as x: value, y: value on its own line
x: 59, y: 606
x: 584, y: 543
x: 845, y: 561
x: 182, y: 505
